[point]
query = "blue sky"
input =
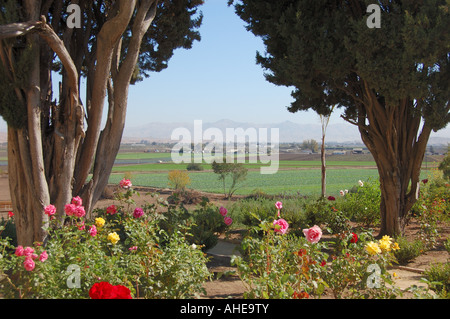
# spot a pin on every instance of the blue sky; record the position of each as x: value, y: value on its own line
x: 217, y: 79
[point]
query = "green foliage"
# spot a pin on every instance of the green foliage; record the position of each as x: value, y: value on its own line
x: 310, y: 145
x: 444, y: 166
x: 409, y: 250
x: 175, y: 26
x: 335, y: 55
x: 439, y: 274
x: 237, y: 172
x: 8, y: 230
x: 127, y: 249
x: 362, y: 203
x: 16, y: 56
x: 431, y: 208
x: 250, y: 211
x: 206, y: 224
x: 272, y: 267
x: 289, y: 266
x: 194, y: 167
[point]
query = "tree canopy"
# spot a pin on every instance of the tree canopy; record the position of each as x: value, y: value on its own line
x: 391, y: 80
x: 325, y: 50
x: 58, y: 145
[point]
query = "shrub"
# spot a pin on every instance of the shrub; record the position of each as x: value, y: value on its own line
x: 206, y: 223
x: 8, y: 230
x: 251, y: 210
x: 279, y: 266
x: 439, y: 273
x: 409, y: 250
x: 447, y: 245
x: 237, y: 172
x: 179, y: 179
x: 363, y: 204
x: 194, y: 167
x: 282, y: 265
x: 123, y: 245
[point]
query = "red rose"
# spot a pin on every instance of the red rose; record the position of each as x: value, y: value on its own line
x: 121, y: 292
x: 101, y: 290
x: 354, y: 238
x: 104, y: 290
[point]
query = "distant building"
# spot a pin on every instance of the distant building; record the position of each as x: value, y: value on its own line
x: 357, y: 151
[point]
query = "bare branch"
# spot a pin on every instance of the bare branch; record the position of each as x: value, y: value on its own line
x: 16, y: 29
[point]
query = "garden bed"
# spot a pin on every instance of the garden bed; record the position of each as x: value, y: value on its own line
x: 226, y: 284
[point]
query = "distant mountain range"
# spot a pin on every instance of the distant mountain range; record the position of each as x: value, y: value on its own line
x: 288, y: 131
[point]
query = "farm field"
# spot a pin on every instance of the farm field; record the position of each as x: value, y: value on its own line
x: 296, y: 174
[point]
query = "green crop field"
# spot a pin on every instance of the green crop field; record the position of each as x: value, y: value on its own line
x: 306, y: 182
x: 293, y: 176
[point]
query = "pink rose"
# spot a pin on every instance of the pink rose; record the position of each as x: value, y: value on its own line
x: 77, y: 201
x: 19, y: 251
x: 138, y: 212
x: 79, y: 211
x: 93, y: 230
x: 279, y: 205
x: 70, y: 209
x: 111, y: 210
x: 132, y: 248
x: 281, y: 226
x: 43, y: 256
x: 125, y: 183
x: 223, y: 211
x: 29, y: 264
x: 50, y: 210
x: 313, y: 234
x: 28, y: 251
x: 228, y: 221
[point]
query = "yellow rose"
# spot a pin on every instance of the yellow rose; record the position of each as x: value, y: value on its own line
x: 99, y: 222
x: 373, y: 248
x: 385, y: 245
x: 386, y: 238
x: 113, y: 238
x: 395, y: 246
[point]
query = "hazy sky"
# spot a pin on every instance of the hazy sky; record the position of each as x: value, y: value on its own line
x: 217, y: 79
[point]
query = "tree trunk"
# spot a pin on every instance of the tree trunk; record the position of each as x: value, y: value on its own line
x: 28, y: 185
x: 324, y: 169
x: 49, y: 160
x: 27, y: 201
x: 117, y: 87
x: 392, y: 136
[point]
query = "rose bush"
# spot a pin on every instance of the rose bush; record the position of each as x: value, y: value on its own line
x: 280, y: 264
x: 125, y: 249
